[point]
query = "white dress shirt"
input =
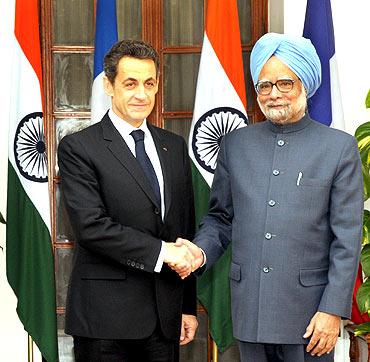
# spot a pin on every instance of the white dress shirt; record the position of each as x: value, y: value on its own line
x: 124, y: 128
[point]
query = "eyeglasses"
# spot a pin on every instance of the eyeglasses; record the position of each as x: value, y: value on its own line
x: 283, y: 85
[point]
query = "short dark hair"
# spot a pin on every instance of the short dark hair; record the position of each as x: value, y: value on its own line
x: 128, y: 48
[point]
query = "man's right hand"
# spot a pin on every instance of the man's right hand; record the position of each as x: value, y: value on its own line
x: 198, y: 255
x: 179, y: 258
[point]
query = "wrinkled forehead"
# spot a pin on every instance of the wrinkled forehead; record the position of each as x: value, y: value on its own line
x: 275, y: 69
x: 129, y: 67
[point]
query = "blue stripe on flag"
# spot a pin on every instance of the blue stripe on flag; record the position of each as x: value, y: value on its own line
x: 105, y: 32
x: 318, y: 27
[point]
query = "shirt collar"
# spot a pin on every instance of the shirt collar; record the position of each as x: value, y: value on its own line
x: 125, y: 128
x: 292, y: 127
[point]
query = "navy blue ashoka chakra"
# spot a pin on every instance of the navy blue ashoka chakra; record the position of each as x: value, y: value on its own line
x: 208, y: 133
x: 30, y: 149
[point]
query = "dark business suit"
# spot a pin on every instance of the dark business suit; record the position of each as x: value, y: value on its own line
x: 114, y: 292
x: 290, y: 199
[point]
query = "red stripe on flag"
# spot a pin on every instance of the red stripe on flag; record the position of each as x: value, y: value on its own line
x: 223, y: 14
x: 26, y: 31
x: 358, y: 317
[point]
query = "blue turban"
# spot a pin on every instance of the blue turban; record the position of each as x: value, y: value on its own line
x: 297, y: 53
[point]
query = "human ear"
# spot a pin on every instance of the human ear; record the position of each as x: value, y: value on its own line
x: 108, y: 86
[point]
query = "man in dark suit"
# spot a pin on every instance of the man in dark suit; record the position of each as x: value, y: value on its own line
x: 288, y: 193
x: 128, y: 191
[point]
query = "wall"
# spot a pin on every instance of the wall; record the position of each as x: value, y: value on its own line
x: 276, y: 16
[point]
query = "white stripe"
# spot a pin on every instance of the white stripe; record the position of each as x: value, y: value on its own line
x: 26, y: 99
x: 7, y: 10
x: 336, y: 99
x: 214, y: 89
x: 100, y: 101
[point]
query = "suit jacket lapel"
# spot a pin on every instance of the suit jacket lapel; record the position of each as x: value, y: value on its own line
x: 164, y: 158
x: 120, y: 150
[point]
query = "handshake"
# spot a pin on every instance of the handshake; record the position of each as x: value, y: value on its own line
x: 183, y: 257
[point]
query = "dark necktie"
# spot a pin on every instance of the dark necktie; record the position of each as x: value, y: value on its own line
x: 145, y: 163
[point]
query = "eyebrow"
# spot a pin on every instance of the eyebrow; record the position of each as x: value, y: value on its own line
x: 280, y: 78
x: 135, y: 80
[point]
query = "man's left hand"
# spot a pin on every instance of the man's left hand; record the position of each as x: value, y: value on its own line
x: 324, y: 331
x: 189, y: 325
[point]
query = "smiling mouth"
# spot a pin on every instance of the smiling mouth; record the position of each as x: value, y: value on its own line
x: 139, y: 105
x: 276, y: 105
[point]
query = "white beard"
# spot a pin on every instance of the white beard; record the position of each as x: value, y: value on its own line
x: 291, y: 112
x: 279, y: 115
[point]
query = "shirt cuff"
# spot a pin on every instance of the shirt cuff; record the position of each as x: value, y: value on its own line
x: 204, y: 258
x: 160, y: 260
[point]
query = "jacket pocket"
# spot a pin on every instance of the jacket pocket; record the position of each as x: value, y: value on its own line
x: 314, y: 182
x: 101, y: 272
x: 235, y: 272
x: 311, y: 277
x: 309, y: 193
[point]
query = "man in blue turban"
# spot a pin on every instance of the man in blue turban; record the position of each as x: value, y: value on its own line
x: 297, y: 53
x: 288, y: 193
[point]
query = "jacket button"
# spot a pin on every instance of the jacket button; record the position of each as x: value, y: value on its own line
x: 275, y: 172
x: 133, y: 263
x: 268, y: 236
x: 272, y: 202
x: 281, y: 143
x: 156, y: 211
x: 266, y: 269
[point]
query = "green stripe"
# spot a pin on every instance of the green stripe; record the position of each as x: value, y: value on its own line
x: 201, y: 194
x: 213, y: 286
x: 30, y: 268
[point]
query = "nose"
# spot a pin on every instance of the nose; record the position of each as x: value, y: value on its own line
x: 275, y: 93
x: 140, y: 92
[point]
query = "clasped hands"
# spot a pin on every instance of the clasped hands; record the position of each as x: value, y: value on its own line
x: 183, y: 257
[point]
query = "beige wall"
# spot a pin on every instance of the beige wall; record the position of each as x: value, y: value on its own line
x: 276, y: 16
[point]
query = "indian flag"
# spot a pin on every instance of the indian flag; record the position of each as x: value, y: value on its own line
x: 30, y: 268
x: 220, y: 107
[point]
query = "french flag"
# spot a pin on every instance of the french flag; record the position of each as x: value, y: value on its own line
x: 326, y: 105
x: 105, y: 37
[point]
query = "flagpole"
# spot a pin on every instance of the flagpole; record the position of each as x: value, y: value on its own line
x: 30, y: 349
x: 214, y: 351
